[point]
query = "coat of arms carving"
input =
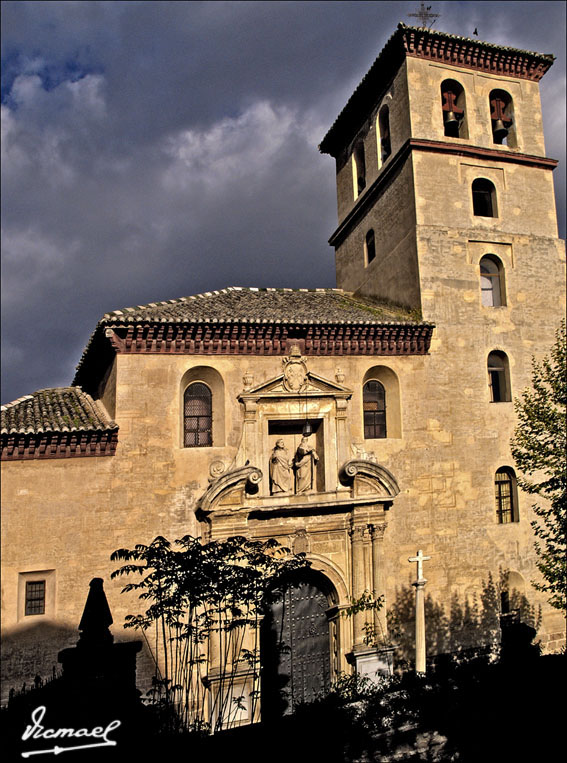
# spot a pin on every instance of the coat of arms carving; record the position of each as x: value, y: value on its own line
x: 295, y: 371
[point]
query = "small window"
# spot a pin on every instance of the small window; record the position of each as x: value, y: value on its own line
x: 501, y: 118
x: 506, y: 497
x: 453, y: 109
x: 369, y: 248
x: 374, y: 406
x: 35, y: 597
x: 385, y: 146
x: 198, y: 416
x: 484, y: 198
x: 492, y: 281
x: 499, y: 377
x: 359, y: 168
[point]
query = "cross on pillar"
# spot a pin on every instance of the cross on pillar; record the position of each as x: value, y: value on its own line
x: 420, y: 558
x: 419, y: 585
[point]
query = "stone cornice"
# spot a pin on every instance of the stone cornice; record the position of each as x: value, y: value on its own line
x: 25, y: 447
x: 478, y: 152
x: 475, y: 54
x: 271, y: 339
x: 373, y: 191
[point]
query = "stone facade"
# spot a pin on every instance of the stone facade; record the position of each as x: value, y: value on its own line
x: 373, y: 501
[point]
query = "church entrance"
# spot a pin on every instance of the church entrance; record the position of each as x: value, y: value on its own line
x: 295, y: 647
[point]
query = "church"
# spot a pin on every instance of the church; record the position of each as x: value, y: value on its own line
x: 358, y: 425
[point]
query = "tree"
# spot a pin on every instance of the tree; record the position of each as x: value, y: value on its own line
x: 538, y: 448
x: 205, y: 596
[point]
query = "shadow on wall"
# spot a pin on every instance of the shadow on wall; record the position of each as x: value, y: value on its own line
x: 30, y: 651
x: 460, y: 624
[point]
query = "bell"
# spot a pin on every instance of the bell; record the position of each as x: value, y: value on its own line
x: 451, y: 119
x: 499, y: 131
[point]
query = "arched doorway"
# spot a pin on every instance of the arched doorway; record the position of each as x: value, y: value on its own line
x: 295, y: 645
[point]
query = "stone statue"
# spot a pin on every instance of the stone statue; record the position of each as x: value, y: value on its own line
x: 305, y: 465
x: 280, y: 469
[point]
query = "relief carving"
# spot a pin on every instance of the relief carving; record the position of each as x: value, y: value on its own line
x: 295, y: 371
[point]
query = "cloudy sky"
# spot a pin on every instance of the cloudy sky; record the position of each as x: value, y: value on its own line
x: 155, y: 150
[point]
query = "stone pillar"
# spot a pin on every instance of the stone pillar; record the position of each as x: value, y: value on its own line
x: 379, y: 586
x: 357, y: 556
x: 249, y: 450
x: 419, y: 586
x: 342, y: 435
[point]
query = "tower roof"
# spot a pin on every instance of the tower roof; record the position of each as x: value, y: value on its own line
x: 419, y: 42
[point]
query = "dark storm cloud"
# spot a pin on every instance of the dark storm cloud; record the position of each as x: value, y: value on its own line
x: 153, y: 150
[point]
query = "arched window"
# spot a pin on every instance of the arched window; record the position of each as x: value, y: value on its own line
x: 369, y: 248
x: 484, y: 198
x: 374, y: 406
x: 499, y: 377
x: 505, y: 495
x: 453, y: 109
x: 197, y: 416
x: 359, y: 168
x: 492, y: 281
x: 385, y: 144
x: 502, y: 118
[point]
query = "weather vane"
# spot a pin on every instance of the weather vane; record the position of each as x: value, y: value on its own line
x: 424, y: 15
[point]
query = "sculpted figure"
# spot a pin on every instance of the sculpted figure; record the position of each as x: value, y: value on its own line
x: 280, y: 469
x: 305, y: 465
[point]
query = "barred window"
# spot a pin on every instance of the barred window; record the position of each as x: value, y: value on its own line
x: 505, y: 496
x: 198, y: 416
x: 35, y: 597
x: 374, y: 406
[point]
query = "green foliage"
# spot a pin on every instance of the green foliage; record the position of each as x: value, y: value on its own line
x: 199, y: 594
x: 538, y: 447
x: 366, y: 603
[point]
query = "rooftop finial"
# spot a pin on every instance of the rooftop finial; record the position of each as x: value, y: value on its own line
x: 424, y: 15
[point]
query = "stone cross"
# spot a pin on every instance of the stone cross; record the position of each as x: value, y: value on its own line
x: 419, y: 585
x: 419, y: 559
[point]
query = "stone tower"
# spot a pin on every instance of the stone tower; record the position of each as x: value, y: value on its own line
x: 446, y: 206
x: 440, y: 162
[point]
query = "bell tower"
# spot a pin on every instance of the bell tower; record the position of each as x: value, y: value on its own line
x: 445, y: 194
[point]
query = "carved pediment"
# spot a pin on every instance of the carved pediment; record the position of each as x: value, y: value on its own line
x: 312, y: 386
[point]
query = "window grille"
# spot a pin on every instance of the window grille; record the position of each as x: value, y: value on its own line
x: 374, y: 406
x: 35, y: 597
x: 198, y: 416
x: 505, y: 497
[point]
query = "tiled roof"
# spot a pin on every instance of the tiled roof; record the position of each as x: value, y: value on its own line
x: 237, y: 304
x: 59, y: 409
